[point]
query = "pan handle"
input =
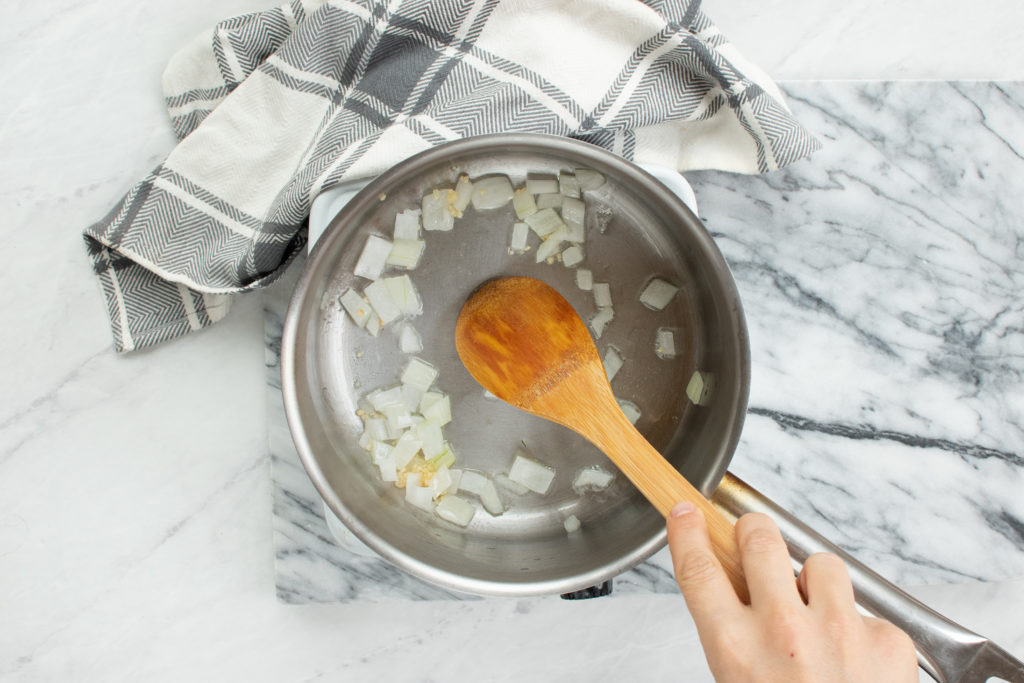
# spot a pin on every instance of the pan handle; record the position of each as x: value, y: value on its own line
x: 947, y: 651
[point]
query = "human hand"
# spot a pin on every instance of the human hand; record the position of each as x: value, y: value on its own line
x: 793, y: 630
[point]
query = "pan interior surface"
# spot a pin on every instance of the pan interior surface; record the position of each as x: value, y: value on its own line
x: 636, y: 230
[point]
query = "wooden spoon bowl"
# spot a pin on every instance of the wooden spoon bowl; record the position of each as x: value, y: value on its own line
x: 523, y: 342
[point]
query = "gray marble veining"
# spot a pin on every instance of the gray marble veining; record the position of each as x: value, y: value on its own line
x: 882, y: 282
x: 882, y: 285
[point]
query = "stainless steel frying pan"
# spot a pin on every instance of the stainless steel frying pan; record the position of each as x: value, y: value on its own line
x: 637, y: 229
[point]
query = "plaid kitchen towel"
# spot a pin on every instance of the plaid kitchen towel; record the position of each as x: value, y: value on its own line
x: 273, y: 107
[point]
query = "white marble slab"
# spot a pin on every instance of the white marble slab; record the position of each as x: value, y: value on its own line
x: 883, y: 286
x: 885, y: 297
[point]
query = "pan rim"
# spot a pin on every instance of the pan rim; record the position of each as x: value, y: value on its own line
x: 548, y: 144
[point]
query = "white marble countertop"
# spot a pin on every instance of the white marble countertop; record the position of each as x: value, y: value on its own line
x: 143, y: 550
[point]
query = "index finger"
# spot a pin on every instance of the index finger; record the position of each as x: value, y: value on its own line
x: 700, y: 576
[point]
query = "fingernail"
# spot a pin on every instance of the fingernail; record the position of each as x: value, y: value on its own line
x: 681, y: 509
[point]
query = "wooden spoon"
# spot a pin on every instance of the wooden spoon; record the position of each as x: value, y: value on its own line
x: 525, y: 344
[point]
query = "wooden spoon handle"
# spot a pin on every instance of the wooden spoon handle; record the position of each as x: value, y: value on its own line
x: 664, y: 486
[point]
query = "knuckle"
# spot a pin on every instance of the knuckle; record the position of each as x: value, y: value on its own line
x: 825, y: 562
x: 753, y: 520
x: 698, y: 567
x: 760, y: 540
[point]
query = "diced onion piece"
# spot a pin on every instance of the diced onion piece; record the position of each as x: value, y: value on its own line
x: 573, y: 214
x: 434, y: 445
x: 542, y: 185
x: 575, y: 233
x: 446, y: 458
x: 428, y: 399
x: 385, y: 463
x: 379, y: 295
x: 357, y: 307
x: 551, y: 245
x: 698, y: 389
x: 491, y: 499
x: 544, y: 222
x: 571, y: 524
x: 380, y: 451
x: 382, y: 398
x: 455, y: 510
x: 572, y: 256
x: 531, y: 474
x: 436, y: 215
x: 440, y: 482
x: 589, y: 179
x: 568, y: 186
x: 407, y: 225
x: 573, y: 210
x: 388, y: 472
x: 549, y: 200
x: 409, y: 340
x: 432, y: 438
x: 472, y: 482
x: 463, y: 193
x: 394, y: 434
x: 406, y: 449
x: 419, y: 374
x: 491, y: 192
x: 404, y: 294
x: 592, y: 479
x: 600, y: 320
x: 377, y: 428
x: 630, y: 410
x: 612, y: 362
x: 584, y: 279
x: 373, y: 325
x: 439, y: 411
x: 373, y: 258
x: 411, y: 397
x: 406, y: 253
x: 510, y: 486
x: 365, y: 442
x: 456, y: 476
x: 602, y: 295
x: 665, y: 343
x: 520, y: 234
x: 522, y: 202
x: 399, y: 417
x: 656, y: 294
x: 419, y: 496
